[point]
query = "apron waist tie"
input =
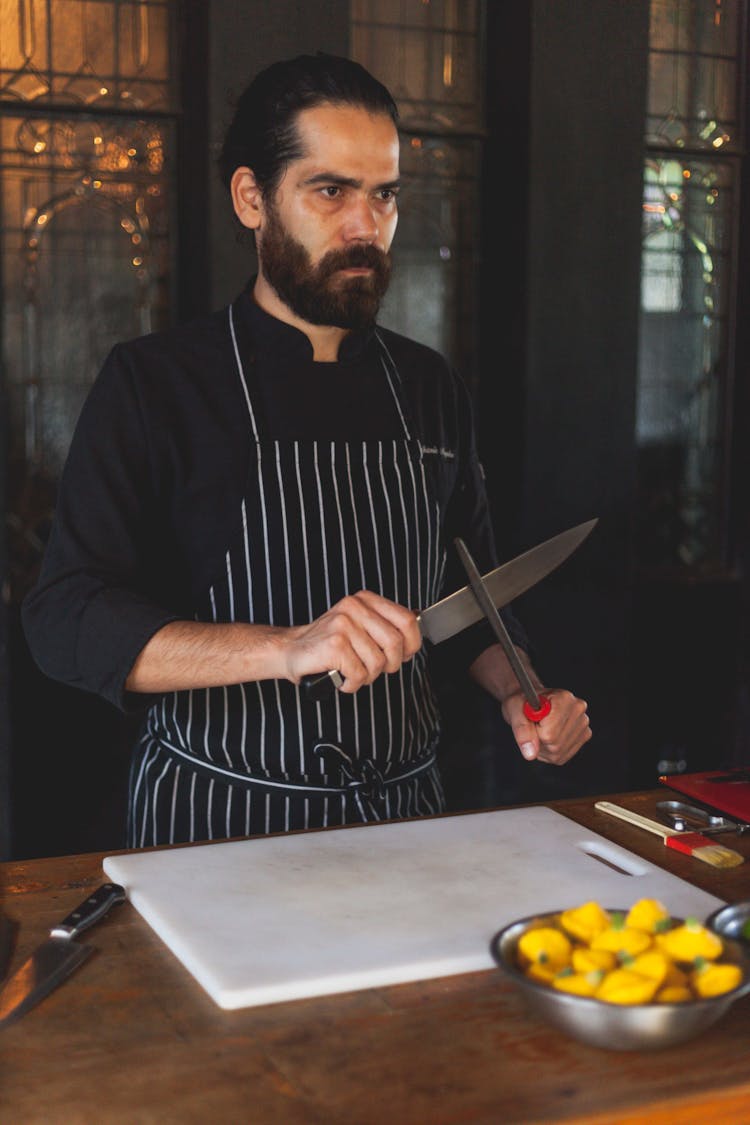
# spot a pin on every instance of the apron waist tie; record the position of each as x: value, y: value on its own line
x: 361, y: 777
x: 361, y: 773
x: 366, y: 783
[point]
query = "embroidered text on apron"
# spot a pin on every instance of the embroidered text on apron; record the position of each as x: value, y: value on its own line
x: 319, y: 519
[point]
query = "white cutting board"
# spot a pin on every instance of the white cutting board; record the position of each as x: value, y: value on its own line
x: 282, y: 917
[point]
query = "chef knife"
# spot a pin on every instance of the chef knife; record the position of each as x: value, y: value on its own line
x: 57, y: 957
x: 457, y: 611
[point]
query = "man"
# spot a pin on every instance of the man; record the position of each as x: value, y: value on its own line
x: 273, y: 492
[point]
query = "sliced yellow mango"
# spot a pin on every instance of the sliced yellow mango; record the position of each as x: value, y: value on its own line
x: 688, y: 941
x: 675, y: 977
x: 579, y: 984
x: 592, y: 960
x: 673, y: 995
x: 630, y: 957
x: 545, y: 945
x: 623, y: 986
x: 648, y: 914
x: 621, y: 939
x: 653, y: 963
x: 713, y: 980
x: 540, y: 972
x: 585, y: 922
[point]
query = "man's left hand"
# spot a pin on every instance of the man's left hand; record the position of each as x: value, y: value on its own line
x: 558, y: 736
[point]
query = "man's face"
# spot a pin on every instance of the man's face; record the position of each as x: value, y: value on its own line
x: 324, y: 240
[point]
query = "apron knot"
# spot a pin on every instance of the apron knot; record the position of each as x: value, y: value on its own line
x: 361, y: 774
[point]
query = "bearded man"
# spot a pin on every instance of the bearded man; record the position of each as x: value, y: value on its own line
x: 272, y: 492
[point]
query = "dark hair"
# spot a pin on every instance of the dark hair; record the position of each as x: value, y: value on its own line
x: 263, y: 132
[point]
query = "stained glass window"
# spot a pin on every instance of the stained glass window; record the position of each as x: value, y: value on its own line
x: 427, y: 52
x: 87, y: 112
x: 690, y: 202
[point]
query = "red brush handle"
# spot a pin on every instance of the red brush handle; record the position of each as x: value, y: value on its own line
x: 536, y: 715
x: 687, y: 842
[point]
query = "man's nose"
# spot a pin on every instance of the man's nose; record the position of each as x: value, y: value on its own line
x: 361, y: 223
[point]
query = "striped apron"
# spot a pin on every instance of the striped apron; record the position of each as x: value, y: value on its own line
x: 318, y: 520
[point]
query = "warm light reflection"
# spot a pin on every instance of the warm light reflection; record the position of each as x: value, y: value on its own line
x: 85, y: 52
x: 82, y: 214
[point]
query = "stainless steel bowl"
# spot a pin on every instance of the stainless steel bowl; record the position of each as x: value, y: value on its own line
x: 614, y: 1026
x: 732, y: 922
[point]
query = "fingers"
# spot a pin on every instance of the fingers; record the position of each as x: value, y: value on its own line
x: 559, y: 736
x: 565, y: 730
x: 360, y: 637
x: 401, y: 619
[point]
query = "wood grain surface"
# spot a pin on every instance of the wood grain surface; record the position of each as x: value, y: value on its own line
x: 130, y: 1037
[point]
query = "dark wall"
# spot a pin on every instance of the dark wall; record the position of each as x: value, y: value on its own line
x: 567, y: 88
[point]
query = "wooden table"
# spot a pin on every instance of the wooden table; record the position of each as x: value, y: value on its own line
x: 132, y: 1038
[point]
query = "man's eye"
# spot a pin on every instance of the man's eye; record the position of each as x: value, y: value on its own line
x: 331, y: 191
x: 387, y: 194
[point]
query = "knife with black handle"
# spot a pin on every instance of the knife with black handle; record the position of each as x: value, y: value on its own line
x: 57, y: 957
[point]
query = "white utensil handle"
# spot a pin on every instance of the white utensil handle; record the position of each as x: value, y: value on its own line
x: 634, y: 818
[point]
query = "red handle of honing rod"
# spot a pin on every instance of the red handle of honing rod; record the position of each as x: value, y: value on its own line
x: 537, y: 714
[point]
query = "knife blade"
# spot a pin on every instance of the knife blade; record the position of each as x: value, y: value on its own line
x: 57, y: 957
x: 461, y: 609
x: 8, y: 934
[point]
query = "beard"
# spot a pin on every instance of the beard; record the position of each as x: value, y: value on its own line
x: 317, y: 293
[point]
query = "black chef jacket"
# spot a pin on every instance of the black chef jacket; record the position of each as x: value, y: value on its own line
x: 157, y: 465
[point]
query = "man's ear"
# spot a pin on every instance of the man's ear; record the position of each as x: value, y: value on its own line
x: 247, y: 198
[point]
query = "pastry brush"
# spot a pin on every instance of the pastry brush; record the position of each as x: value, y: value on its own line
x: 691, y: 843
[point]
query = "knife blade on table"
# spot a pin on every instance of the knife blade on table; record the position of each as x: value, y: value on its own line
x: 57, y: 957
x: 8, y: 934
x: 457, y: 611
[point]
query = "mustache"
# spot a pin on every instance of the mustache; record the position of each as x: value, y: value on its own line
x: 355, y: 257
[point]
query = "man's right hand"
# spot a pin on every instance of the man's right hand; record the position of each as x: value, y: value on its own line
x: 360, y: 637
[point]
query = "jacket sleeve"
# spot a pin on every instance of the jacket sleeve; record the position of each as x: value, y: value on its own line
x: 94, y: 605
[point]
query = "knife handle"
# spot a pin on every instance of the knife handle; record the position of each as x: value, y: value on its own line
x: 321, y: 685
x: 90, y: 910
